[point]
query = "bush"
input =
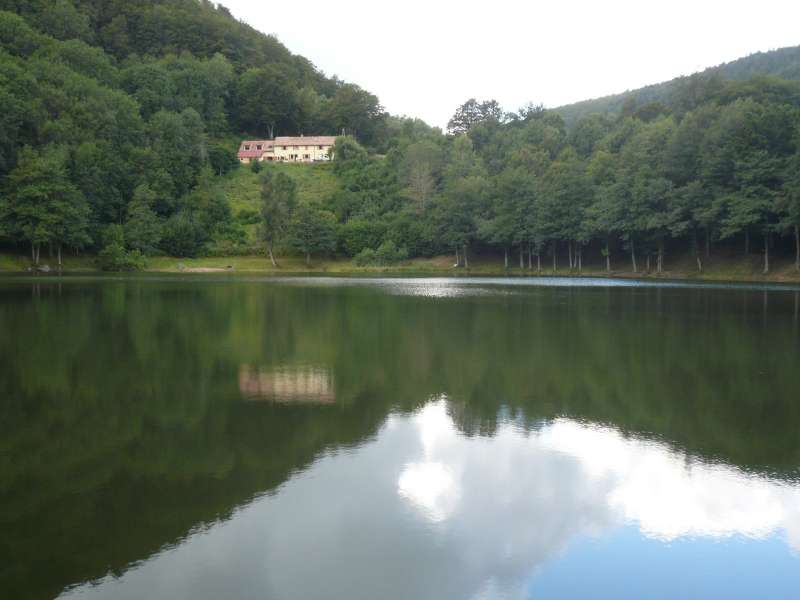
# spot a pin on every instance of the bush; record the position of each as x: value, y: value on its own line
x: 182, y: 235
x: 359, y: 234
x: 114, y: 257
x: 248, y: 216
x: 387, y: 253
x: 365, y: 257
x: 255, y: 166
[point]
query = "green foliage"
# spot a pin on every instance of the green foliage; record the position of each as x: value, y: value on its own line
x: 149, y: 94
x: 142, y: 227
x: 114, y: 256
x: 386, y: 254
x: 312, y: 231
x: 128, y: 114
x: 42, y: 205
x: 278, y: 202
x: 683, y: 94
x: 182, y: 235
x: 222, y: 159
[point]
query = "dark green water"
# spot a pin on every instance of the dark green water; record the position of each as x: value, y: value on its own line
x: 316, y: 438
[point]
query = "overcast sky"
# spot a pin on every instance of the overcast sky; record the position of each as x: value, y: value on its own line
x: 424, y: 58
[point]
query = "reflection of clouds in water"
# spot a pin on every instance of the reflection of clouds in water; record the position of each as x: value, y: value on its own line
x: 670, y: 496
x: 426, y: 512
x: 631, y: 479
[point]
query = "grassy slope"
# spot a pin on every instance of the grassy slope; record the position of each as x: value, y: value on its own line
x: 315, y: 183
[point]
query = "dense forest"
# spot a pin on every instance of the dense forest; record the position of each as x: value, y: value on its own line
x: 783, y: 63
x: 115, y: 116
x: 119, y: 123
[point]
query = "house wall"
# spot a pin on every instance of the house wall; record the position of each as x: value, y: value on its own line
x: 303, y: 153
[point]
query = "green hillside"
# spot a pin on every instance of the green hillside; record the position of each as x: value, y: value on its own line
x: 783, y: 63
x: 316, y: 184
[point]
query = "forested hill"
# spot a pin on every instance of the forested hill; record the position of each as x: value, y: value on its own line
x: 114, y: 111
x: 783, y: 63
x: 119, y: 123
x: 180, y: 54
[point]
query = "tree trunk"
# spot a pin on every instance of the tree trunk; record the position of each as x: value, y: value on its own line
x: 747, y: 242
x: 521, y: 257
x: 458, y: 258
x: 38, y: 252
x: 530, y: 257
x: 633, y: 256
x: 33, y: 252
x: 766, y: 253
x: 308, y: 259
x: 505, y: 255
x: 797, y: 247
x: 271, y: 256
x: 697, y: 249
x: 59, y: 257
x: 569, y: 251
x: 466, y: 258
x: 660, y: 267
x: 580, y: 258
x: 538, y: 262
x: 648, y: 263
x: 608, y: 256
x: 554, y: 257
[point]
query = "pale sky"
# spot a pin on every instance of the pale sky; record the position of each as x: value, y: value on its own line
x: 424, y: 58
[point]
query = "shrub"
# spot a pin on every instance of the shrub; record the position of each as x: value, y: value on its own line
x: 387, y: 253
x: 255, y: 166
x: 182, y: 235
x: 365, y: 257
x: 248, y: 216
x: 114, y: 256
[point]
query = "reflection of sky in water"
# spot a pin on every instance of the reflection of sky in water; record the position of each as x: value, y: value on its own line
x: 426, y: 512
x: 447, y: 287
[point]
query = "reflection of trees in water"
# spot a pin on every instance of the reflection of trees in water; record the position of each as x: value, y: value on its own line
x: 122, y: 411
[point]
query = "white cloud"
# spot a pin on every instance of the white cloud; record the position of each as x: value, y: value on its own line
x: 425, y: 58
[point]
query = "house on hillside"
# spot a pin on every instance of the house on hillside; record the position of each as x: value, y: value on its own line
x: 310, y: 148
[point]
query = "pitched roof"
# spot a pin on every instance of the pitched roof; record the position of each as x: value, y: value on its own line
x: 253, y: 151
x: 305, y: 140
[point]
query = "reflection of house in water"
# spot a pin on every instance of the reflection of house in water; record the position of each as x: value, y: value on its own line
x: 287, y: 384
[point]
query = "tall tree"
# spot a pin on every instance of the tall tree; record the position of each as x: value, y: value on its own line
x: 42, y: 205
x: 278, y: 200
x: 312, y: 230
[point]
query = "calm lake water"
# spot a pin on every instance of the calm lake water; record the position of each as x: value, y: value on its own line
x: 234, y: 438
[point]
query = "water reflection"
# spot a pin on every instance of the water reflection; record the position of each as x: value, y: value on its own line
x: 425, y: 511
x: 140, y: 418
x: 303, y: 383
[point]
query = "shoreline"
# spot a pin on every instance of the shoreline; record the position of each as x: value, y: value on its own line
x: 720, y: 270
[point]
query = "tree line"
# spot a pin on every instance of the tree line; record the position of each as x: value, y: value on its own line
x: 718, y: 166
x: 119, y: 121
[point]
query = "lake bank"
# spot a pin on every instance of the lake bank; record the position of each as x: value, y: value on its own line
x: 716, y: 269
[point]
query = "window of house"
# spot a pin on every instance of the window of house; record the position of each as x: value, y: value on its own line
x: 246, y: 147
x: 320, y: 147
x: 284, y: 147
x: 258, y: 147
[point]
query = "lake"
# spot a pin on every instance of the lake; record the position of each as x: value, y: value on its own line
x: 342, y: 438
